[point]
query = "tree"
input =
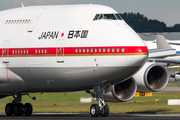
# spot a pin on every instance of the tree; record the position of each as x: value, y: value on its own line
x: 141, y: 23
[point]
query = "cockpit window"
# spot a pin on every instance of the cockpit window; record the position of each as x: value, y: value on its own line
x: 107, y: 17
x: 96, y: 17
x: 101, y: 17
x: 118, y: 17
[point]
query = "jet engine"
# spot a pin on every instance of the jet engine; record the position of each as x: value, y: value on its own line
x: 152, y: 77
x: 120, y: 92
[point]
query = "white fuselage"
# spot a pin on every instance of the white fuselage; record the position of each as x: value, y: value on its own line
x: 61, y: 48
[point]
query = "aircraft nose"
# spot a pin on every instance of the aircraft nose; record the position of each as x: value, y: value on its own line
x: 138, y: 54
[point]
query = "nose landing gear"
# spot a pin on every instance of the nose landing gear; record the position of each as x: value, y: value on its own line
x: 101, y: 109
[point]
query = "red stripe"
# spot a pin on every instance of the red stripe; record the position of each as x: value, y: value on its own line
x: 76, y: 50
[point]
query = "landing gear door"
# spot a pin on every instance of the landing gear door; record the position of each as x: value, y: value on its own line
x: 5, y: 51
x: 60, y: 51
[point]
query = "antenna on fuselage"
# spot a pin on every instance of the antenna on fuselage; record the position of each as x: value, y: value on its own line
x: 22, y: 5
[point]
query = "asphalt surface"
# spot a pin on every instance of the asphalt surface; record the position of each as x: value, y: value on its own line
x: 77, y: 116
x: 172, y: 88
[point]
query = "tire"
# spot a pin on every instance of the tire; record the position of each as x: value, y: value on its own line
x: 94, y: 110
x: 18, y: 109
x: 9, y: 109
x: 105, y: 113
x: 28, y: 109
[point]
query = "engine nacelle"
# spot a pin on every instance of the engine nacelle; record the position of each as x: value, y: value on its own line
x: 152, y: 77
x: 120, y: 92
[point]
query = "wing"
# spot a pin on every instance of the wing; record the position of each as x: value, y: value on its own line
x: 163, y: 48
x: 164, y: 60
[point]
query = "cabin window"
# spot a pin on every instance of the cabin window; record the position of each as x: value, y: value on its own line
x: 80, y: 50
x: 6, y: 21
x: 123, y: 50
x: 95, y: 49
x: 28, y: 21
x: 117, y: 49
x: 99, y: 49
x: 76, y: 50
x: 45, y: 50
x: 42, y: 50
x: 104, y: 49
x: 87, y: 50
x: 91, y: 50
x: 21, y: 51
x: 108, y: 50
x: 16, y: 51
x: 12, y: 51
x: 84, y: 50
x: 112, y: 49
x: 24, y: 51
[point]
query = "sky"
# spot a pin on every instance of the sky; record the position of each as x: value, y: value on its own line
x: 167, y: 11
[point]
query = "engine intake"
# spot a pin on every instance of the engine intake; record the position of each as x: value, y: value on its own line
x: 152, y: 77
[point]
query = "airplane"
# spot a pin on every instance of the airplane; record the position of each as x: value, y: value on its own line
x: 64, y: 48
x: 168, y: 56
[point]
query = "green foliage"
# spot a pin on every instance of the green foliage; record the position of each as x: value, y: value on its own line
x: 141, y: 23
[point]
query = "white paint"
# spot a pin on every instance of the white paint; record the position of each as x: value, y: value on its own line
x: 85, y: 100
x: 174, y: 102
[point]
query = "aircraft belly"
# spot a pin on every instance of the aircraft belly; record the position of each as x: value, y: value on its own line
x: 71, y: 79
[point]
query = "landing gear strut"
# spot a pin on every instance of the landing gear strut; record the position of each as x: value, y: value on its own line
x: 17, y: 108
x: 101, y: 109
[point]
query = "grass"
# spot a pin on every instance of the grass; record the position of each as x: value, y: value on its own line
x: 173, y: 69
x: 173, y: 84
x: 56, y: 102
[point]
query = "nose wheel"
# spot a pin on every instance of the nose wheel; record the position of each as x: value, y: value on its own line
x: 95, y: 110
x: 101, y: 109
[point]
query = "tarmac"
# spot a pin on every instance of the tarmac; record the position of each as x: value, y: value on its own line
x: 86, y: 116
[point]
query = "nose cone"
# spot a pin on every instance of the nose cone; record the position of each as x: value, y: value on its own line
x: 138, y: 53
